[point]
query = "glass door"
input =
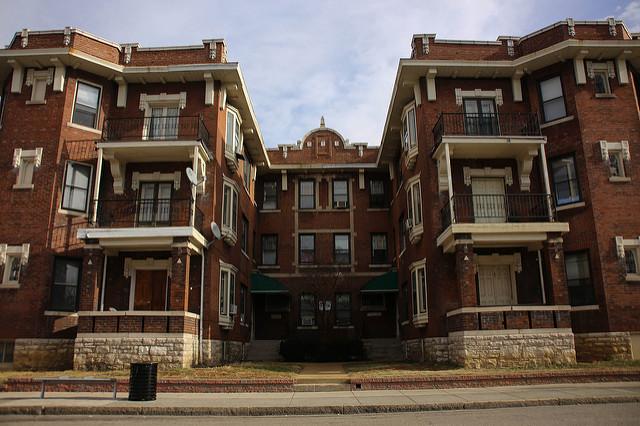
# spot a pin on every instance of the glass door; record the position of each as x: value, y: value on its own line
x: 163, y: 123
x: 480, y: 117
x: 154, y: 205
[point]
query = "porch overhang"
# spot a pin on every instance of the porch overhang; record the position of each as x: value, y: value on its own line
x: 143, y: 151
x: 494, y: 235
x: 385, y: 283
x: 157, y: 238
x: 263, y: 284
x: 489, y: 147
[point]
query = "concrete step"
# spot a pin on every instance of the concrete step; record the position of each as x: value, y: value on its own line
x: 383, y: 349
x: 322, y: 387
x: 264, y: 350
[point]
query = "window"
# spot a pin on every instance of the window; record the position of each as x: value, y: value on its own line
x: 480, y: 116
x: 343, y: 309
x: 341, y: 249
x: 307, y: 310
x: 26, y: 161
x: 243, y: 304
x: 402, y: 233
x: 307, y: 198
x: 340, y: 194
x: 378, y: 249
x: 6, y: 351
x: 163, y: 122
x: 269, y: 249
x: 628, y: 250
x: 75, y: 195
x: 601, y: 82
x: 229, y: 211
x: 616, y: 164
x: 414, y: 204
x: 373, y: 302
x: 409, y: 136
x: 85, y: 109
x: 66, y: 279
x: 246, y: 173
x: 154, y: 205
x: 565, y: 180
x: 552, y: 99
x: 13, y: 258
x: 307, y: 253
x: 270, y: 195
x: 631, y: 261
x: 244, y: 238
x: 38, y: 80
x: 377, y: 196
x: 227, y: 294
x: 419, y: 293
x: 233, y: 141
x: 579, y: 278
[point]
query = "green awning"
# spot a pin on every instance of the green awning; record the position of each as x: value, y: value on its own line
x: 261, y: 283
x: 385, y: 283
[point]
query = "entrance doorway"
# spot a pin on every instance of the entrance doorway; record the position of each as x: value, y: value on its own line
x: 495, y: 285
x: 151, y: 290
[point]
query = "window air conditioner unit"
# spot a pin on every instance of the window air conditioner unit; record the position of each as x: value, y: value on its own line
x: 233, y: 309
x: 341, y: 204
x: 307, y: 322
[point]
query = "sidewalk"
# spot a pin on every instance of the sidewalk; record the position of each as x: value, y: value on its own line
x: 297, y: 403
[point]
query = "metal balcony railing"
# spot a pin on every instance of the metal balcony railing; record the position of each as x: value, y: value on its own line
x: 164, y: 128
x: 469, y: 208
x: 497, y: 124
x: 136, y: 213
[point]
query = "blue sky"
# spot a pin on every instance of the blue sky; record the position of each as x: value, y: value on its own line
x: 304, y: 59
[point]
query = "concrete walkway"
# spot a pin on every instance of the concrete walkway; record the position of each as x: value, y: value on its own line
x: 347, y: 402
x: 326, y: 376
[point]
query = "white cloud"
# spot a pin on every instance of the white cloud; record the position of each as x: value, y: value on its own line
x: 631, y: 15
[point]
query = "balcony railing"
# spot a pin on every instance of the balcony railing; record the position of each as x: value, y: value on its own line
x: 136, y: 213
x: 497, y: 124
x: 162, y: 128
x: 469, y: 208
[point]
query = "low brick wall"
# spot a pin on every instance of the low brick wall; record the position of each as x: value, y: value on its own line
x: 603, y: 346
x: 113, y: 352
x: 43, y: 354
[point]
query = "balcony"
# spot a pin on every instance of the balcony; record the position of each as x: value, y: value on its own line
x: 158, y: 129
x: 499, y: 220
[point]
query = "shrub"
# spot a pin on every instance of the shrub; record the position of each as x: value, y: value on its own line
x: 298, y: 349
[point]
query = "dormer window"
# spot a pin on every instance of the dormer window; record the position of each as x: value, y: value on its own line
x: 409, y: 135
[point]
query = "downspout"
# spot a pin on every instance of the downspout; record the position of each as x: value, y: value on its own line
x: 544, y: 296
x: 200, y: 328
x: 104, y: 282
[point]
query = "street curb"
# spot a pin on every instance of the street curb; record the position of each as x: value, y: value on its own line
x: 309, y: 410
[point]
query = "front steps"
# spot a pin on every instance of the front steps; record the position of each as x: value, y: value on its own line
x: 264, y: 350
x: 383, y: 349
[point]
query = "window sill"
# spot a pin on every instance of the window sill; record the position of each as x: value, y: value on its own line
x: 605, y: 96
x: 269, y: 210
x: 19, y: 186
x: 225, y: 321
x: 415, y: 235
x: 380, y: 265
x: 9, y: 286
x: 420, y: 320
x: 619, y: 179
x: 72, y: 213
x: 371, y: 308
x: 43, y: 102
x: 343, y: 327
x: 268, y: 266
x: 570, y: 206
x: 557, y: 121
x: 585, y: 308
x: 85, y: 128
x: 632, y: 277
x: 60, y: 314
x: 307, y: 327
x: 229, y: 236
x: 378, y: 209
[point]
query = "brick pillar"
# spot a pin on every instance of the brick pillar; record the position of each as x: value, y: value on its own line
x: 557, y: 289
x: 91, y: 279
x: 466, y: 275
x: 179, y: 290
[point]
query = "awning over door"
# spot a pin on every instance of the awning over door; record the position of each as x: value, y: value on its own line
x: 385, y: 283
x: 261, y: 283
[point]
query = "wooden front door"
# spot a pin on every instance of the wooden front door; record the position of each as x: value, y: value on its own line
x: 488, y: 200
x: 494, y: 282
x: 151, y: 290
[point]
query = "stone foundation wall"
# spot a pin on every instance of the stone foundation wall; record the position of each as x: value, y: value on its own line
x: 114, y: 352
x: 43, y: 354
x: 412, y: 349
x: 212, y: 351
x: 603, y: 346
x: 436, y: 349
x: 512, y: 349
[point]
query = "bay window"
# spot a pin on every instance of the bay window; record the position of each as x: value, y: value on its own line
x: 409, y: 135
x: 226, y: 294
x: 229, y: 211
x: 233, y: 142
x: 419, y: 293
x: 414, y: 209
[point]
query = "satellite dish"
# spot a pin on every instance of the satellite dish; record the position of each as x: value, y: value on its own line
x: 191, y: 175
x: 215, y: 229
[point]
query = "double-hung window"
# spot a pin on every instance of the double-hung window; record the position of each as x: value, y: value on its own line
x: 242, y: 304
x: 579, y: 278
x: 402, y: 233
x: 14, y: 258
x: 616, y: 164
x: 419, y: 293
x: 75, y: 194
x: 307, y: 310
x: 340, y: 194
x: 86, y: 106
x: 378, y: 249
x: 307, y: 252
x: 341, y: 249
x: 244, y: 238
x: 163, y: 123
x: 154, y: 205
x: 229, y: 210
x: 246, y: 173
x: 233, y: 141
x: 269, y: 249
x: 377, y: 196
x: 414, y: 204
x: 601, y: 82
x: 227, y: 292
x: 66, y: 280
x: 343, y: 309
x: 565, y: 180
x: 629, y: 251
x: 552, y: 99
x: 409, y: 135
x: 269, y: 195
x: 307, y: 197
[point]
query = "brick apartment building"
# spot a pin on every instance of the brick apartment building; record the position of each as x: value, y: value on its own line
x: 494, y: 225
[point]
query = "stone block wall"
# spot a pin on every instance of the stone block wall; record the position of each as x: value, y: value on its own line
x: 43, y: 354
x: 513, y: 349
x: 412, y: 349
x: 213, y: 352
x: 100, y: 352
x: 436, y: 349
x: 603, y: 346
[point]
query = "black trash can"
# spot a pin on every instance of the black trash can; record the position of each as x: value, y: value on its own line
x: 143, y: 380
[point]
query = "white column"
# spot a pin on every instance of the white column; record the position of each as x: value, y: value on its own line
x: 194, y: 191
x: 545, y: 175
x: 447, y: 157
x: 96, y: 187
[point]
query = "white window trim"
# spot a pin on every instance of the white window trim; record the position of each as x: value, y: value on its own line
x: 6, y: 251
x: 622, y: 148
x: 237, y: 148
x: 61, y: 209
x: 488, y: 172
x: 148, y: 102
x: 623, y: 244
x: 131, y: 266
x: 478, y: 93
x: 174, y: 177
x: 416, y: 229
x: 412, y: 148
x: 421, y: 318
x: 33, y: 75
x: 230, y: 236
x: 226, y: 320
x: 95, y: 129
x: 19, y: 155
